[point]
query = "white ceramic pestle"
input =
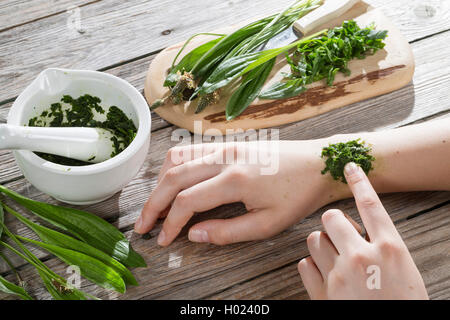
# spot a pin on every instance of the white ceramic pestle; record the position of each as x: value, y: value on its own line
x: 87, y: 144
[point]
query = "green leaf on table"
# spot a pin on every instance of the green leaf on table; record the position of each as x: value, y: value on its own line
x: 58, y: 292
x: 51, y: 280
x: 85, y: 226
x: 11, y: 288
x: 53, y: 237
x: 248, y: 90
x: 90, y: 268
x: 2, y: 219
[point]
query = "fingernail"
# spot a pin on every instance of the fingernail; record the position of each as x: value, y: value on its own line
x: 161, y: 237
x: 197, y: 235
x: 138, y: 224
x: 350, y: 168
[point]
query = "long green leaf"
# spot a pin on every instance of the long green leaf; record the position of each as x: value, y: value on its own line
x: 47, y: 275
x: 227, y: 72
x: 251, y: 36
x: 85, y: 226
x: 2, y: 219
x: 283, y: 90
x: 280, y: 22
x: 90, y: 268
x: 53, y: 237
x: 238, y: 66
x: 11, y: 288
x: 267, y: 55
x: 58, y: 294
x: 188, y: 61
x: 223, y: 47
x: 249, y: 90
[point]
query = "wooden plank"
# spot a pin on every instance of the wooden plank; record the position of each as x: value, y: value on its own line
x: 415, y: 18
x: 34, y: 10
x: 148, y: 26
x: 426, y: 236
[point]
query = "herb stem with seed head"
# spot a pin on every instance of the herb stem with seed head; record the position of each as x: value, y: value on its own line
x: 13, y: 269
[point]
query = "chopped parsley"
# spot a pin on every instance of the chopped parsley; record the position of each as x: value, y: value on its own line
x: 339, y: 154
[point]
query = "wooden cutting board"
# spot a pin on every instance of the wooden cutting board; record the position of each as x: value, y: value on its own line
x: 388, y: 70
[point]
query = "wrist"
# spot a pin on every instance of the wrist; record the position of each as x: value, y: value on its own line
x: 330, y: 190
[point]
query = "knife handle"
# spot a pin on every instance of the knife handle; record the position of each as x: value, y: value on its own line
x: 329, y: 10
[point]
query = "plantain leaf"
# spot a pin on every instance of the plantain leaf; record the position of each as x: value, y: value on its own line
x: 85, y: 226
x: 60, y: 294
x: 227, y: 71
x: 249, y: 90
x: 53, y: 237
x: 188, y: 61
x: 238, y: 66
x: 282, y: 90
x: 223, y: 47
x: 11, y: 288
x: 90, y: 268
x: 2, y: 219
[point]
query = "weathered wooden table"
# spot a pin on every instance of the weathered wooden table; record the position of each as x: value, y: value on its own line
x: 122, y: 37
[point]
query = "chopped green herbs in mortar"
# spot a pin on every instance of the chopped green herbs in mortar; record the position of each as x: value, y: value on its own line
x: 339, y: 154
x: 80, y: 112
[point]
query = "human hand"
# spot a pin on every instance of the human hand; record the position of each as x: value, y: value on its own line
x: 199, y: 183
x: 342, y: 261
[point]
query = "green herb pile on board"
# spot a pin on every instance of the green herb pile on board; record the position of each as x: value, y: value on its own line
x: 100, y: 251
x: 81, y: 113
x: 323, y: 57
x: 339, y: 154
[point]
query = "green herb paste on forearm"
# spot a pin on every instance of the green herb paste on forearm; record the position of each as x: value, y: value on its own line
x: 339, y: 154
x: 80, y: 112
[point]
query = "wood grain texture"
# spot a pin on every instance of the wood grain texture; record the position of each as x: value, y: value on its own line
x: 426, y: 236
x: 34, y: 10
x: 117, y: 31
x: 262, y: 269
x: 196, y: 277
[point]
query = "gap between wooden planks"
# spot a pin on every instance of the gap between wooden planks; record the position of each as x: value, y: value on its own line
x: 118, y: 31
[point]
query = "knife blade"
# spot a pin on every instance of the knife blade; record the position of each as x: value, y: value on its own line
x: 329, y: 10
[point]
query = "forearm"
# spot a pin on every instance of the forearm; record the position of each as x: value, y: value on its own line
x: 411, y: 158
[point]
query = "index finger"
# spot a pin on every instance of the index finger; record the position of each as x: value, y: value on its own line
x: 374, y: 217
